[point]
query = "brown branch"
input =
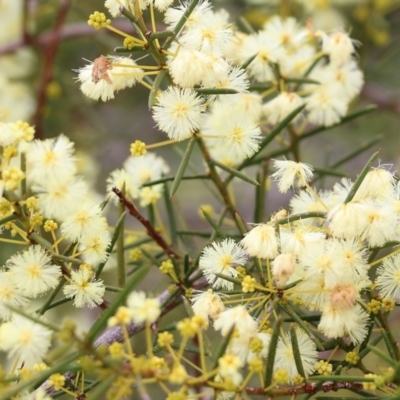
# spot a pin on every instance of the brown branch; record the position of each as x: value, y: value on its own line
x: 146, y: 223
x: 115, y: 333
x: 49, y: 55
x: 66, y: 32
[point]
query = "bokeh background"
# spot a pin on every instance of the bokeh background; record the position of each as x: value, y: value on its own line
x: 43, y: 42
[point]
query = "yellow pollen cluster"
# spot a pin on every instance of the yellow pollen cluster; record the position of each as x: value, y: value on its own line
x: 98, y: 20
x: 166, y: 267
x: 29, y: 131
x: 298, y: 380
x: 352, y: 357
x: 122, y: 317
x: 248, y: 284
x: 323, y: 367
x: 256, y: 365
x: 12, y: 178
x: 129, y: 43
x: 369, y: 385
x: 138, y: 148
x: 57, y: 381
x: 281, y: 376
x: 256, y: 345
x: 135, y: 255
x: 36, y: 219
x: 10, y: 152
x: 388, y: 304
x: 373, y: 306
x: 32, y: 203
x: 187, y: 327
x: 50, y: 225
x: 165, y: 339
x: 116, y: 350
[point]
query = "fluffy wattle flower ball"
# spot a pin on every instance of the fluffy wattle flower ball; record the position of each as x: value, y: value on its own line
x: 32, y: 271
x: 221, y: 258
x: 143, y: 309
x: 179, y: 112
x: 290, y: 172
x: 261, y: 242
x: 25, y: 340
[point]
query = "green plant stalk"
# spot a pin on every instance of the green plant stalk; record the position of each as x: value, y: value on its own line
x: 213, y: 224
x: 296, y: 351
x: 53, y: 295
x: 361, y: 177
x: 217, y: 180
x: 171, y: 216
x: 117, y: 231
x: 271, y: 353
x: 182, y: 166
x: 120, y: 247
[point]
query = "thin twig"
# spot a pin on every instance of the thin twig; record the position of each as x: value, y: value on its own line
x: 146, y: 223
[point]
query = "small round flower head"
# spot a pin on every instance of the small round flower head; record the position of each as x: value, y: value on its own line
x: 120, y: 179
x: 10, y: 295
x: 94, y: 246
x: 179, y: 112
x: 381, y: 225
x: 261, y: 242
x: 282, y: 268
x: 290, y: 172
x: 265, y: 49
x: 32, y: 271
x: 50, y: 157
x: 284, y: 357
x: 304, y: 201
x: 201, y: 11
x: 147, y: 168
x: 378, y: 184
x: 207, y: 304
x: 187, y: 66
x: 327, y: 105
x: 114, y: 7
x: 229, y: 365
x: 162, y: 5
x: 210, y: 36
x: 239, y: 317
x: 338, y: 46
x: 338, y: 322
x: 297, y: 240
x: 349, y: 220
x: 347, y: 79
x: 85, y: 220
x: 388, y: 278
x: 221, y: 258
x: 125, y: 72
x: 84, y: 290
x: 234, y: 129
x: 143, y: 309
x: 25, y: 340
x: 95, y: 78
x: 60, y: 198
x: 281, y: 106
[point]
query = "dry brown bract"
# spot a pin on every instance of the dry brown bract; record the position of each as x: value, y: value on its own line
x: 100, y: 67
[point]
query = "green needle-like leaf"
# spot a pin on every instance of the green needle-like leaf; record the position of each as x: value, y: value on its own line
x: 213, y: 224
x: 154, y: 90
x: 269, y: 371
x: 236, y: 173
x: 182, y: 167
x: 117, y: 231
x: 361, y: 177
x: 296, y: 351
x: 222, y: 348
x: 345, y: 119
x: 101, y: 388
x: 171, y: 216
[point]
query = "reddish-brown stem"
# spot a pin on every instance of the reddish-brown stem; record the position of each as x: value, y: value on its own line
x: 146, y: 223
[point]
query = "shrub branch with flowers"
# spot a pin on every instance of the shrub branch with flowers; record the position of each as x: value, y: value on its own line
x: 290, y: 304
